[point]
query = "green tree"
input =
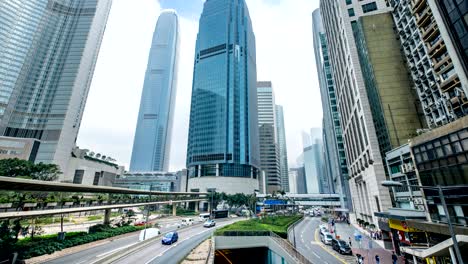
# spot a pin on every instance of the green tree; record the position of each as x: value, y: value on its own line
x: 27, y: 169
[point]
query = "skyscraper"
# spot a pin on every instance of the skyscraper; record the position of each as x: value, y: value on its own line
x: 222, y: 149
x: 152, y: 143
x: 313, y: 165
x: 374, y: 95
x: 335, y: 166
x: 269, y: 152
x: 48, y: 50
x: 283, y: 152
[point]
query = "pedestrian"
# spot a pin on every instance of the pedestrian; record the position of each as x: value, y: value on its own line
x: 349, y: 239
x: 377, y: 259
x: 394, y: 258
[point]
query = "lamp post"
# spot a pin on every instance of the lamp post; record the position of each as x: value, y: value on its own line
x: 147, y: 213
x: 444, y: 205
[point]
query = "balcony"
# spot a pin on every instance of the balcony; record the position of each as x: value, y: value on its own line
x: 450, y: 83
x: 418, y: 5
x: 430, y: 33
x: 425, y: 18
x: 445, y: 63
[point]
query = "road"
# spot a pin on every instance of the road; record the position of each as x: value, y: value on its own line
x: 107, y: 247
x: 308, y: 244
x: 188, y: 239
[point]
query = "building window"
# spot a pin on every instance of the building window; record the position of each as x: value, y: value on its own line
x: 78, y: 178
x: 351, y: 12
x: 369, y: 7
x: 97, y: 175
x: 348, y: 2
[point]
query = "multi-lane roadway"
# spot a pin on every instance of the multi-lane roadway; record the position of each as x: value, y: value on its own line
x: 154, y: 253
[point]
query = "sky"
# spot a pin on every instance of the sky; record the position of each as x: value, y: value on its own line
x: 283, y: 32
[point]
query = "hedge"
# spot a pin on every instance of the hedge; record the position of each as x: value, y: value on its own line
x: 277, y: 224
x: 48, y: 244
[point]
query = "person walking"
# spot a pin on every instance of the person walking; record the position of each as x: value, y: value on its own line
x: 349, y: 241
x: 377, y: 259
x: 394, y: 258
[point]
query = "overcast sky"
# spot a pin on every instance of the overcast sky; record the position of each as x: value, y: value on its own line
x: 283, y: 31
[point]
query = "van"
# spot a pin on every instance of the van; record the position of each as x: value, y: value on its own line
x: 203, y: 217
x: 187, y: 221
x: 150, y: 233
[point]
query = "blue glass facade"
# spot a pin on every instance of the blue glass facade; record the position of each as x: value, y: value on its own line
x: 151, y: 146
x: 223, y: 131
x: 48, y: 50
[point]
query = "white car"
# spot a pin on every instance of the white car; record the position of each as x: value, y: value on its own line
x: 326, y: 238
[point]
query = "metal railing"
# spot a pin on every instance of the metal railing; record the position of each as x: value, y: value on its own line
x: 283, y: 243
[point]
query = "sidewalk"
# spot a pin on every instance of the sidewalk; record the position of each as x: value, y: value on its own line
x: 346, y: 231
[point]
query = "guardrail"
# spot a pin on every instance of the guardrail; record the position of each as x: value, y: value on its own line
x: 283, y: 243
x: 293, y: 239
x: 210, y: 257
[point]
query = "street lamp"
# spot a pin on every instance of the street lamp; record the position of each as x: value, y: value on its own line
x: 444, y: 205
x: 147, y: 212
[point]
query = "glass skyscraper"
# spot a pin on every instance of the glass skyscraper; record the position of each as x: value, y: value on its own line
x: 48, y: 50
x: 334, y: 152
x: 283, y: 152
x: 151, y: 146
x: 223, y: 131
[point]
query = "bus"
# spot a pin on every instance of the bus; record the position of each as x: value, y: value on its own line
x: 220, y: 213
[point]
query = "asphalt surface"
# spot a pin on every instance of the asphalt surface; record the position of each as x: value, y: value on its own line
x: 188, y: 239
x: 309, y: 245
x: 99, y: 251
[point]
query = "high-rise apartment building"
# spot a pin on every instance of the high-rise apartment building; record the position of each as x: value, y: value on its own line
x: 376, y: 104
x: 436, y: 55
x: 335, y: 166
x: 283, y: 152
x: 152, y: 143
x: 222, y: 150
x: 48, y: 51
x: 267, y: 130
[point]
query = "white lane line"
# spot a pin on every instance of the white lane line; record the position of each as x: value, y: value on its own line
x: 316, y: 255
x: 114, y: 250
x: 180, y: 241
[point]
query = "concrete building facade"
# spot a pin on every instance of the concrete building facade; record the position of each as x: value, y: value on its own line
x: 267, y: 128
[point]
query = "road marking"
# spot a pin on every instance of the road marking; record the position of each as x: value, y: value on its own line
x: 329, y: 251
x: 316, y: 255
x: 180, y: 241
x: 117, y: 249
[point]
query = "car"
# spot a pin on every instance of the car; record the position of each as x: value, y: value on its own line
x: 170, y: 238
x: 187, y: 221
x: 323, y: 228
x: 326, y: 238
x: 341, y: 247
x: 209, y: 223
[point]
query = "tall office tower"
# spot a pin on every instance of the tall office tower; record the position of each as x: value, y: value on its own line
x: 283, y: 152
x: 152, y: 143
x: 434, y: 38
x: 374, y: 96
x: 48, y: 50
x: 292, y: 175
x: 269, y: 151
x: 301, y: 181
x: 313, y: 164
x: 222, y: 150
x: 334, y: 153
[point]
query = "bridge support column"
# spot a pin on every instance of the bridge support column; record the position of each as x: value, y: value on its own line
x: 107, y: 215
x: 174, y: 209
x: 197, y: 204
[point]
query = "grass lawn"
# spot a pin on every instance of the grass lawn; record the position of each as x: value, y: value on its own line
x: 276, y: 224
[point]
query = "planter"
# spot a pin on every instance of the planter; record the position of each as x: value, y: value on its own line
x: 68, y: 203
x: 29, y: 204
x: 82, y: 203
x: 94, y: 203
x: 51, y: 204
x: 104, y: 202
x: 6, y: 205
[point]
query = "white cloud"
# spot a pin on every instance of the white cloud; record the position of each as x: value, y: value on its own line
x: 283, y: 32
